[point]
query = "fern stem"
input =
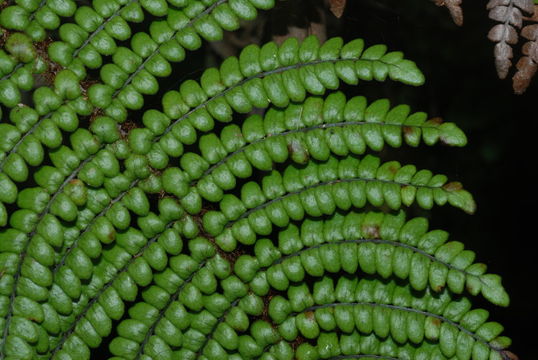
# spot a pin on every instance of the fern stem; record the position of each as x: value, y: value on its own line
x: 342, y: 357
x: 33, y: 14
x: 219, y: 321
x: 386, y: 306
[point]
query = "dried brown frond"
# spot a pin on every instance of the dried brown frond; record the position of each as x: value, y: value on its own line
x: 534, y: 16
x: 454, y: 7
x: 528, y: 64
x: 508, y: 355
x: 337, y: 7
x: 510, y: 15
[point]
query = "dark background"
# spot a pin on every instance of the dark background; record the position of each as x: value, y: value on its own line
x: 496, y: 166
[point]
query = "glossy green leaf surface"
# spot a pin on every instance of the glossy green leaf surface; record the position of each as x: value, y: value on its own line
x: 253, y: 214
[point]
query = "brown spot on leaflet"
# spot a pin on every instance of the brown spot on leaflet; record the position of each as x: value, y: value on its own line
x: 453, y: 186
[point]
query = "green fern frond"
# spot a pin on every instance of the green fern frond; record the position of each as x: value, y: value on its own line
x: 198, y: 235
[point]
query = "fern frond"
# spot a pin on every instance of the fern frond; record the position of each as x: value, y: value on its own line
x: 435, y: 317
x: 528, y: 64
x: 313, y: 130
x: 352, y: 243
x: 509, y: 14
x: 319, y: 189
x: 250, y: 243
x: 154, y: 55
x: 385, y: 310
x: 454, y: 7
x: 35, y: 17
x: 122, y: 269
x: 269, y: 75
x: 375, y: 244
x: 61, y: 205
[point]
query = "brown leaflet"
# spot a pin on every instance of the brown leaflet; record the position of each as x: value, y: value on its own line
x: 509, y: 355
x: 509, y: 13
x: 503, y: 59
x: 525, y: 5
x: 503, y: 14
x: 526, y: 69
x: 504, y: 35
x: 337, y: 7
x: 454, y: 7
x: 528, y: 64
x: 534, y: 15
